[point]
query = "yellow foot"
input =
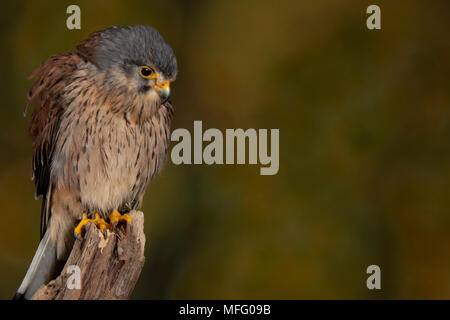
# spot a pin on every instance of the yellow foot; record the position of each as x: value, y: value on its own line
x: 116, y: 217
x: 99, y: 222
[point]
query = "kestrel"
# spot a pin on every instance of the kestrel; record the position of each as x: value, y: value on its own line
x: 100, y: 129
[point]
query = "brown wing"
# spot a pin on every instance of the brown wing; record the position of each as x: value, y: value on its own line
x: 45, y: 94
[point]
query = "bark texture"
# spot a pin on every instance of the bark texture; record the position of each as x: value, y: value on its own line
x: 109, y: 267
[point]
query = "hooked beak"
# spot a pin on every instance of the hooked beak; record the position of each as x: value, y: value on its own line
x: 163, y: 90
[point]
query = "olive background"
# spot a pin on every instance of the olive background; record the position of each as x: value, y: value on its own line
x: 364, y: 119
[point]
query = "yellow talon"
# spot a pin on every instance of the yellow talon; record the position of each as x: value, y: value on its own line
x: 101, y: 224
x: 116, y: 217
x: 79, y: 227
x: 98, y: 221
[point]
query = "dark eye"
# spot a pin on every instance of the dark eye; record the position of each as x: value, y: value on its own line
x: 147, y: 72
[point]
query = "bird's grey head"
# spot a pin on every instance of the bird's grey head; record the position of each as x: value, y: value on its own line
x: 136, y: 58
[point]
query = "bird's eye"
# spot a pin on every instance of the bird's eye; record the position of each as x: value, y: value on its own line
x: 147, y: 72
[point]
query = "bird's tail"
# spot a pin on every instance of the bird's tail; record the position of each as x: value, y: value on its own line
x: 43, y: 268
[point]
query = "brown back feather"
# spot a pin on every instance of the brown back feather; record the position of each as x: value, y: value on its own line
x: 87, y: 47
x: 45, y: 94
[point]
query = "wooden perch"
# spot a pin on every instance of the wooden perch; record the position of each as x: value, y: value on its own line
x: 109, y: 267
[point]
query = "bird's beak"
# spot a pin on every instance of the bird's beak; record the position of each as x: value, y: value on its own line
x: 163, y: 90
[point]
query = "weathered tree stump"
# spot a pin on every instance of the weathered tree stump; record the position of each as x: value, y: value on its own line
x: 109, y: 267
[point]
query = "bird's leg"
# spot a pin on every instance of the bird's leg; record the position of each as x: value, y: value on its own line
x: 116, y: 217
x: 98, y: 221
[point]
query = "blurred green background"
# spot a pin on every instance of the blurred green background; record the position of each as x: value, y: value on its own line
x: 364, y: 119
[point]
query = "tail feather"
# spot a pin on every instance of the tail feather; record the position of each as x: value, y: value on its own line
x: 43, y: 268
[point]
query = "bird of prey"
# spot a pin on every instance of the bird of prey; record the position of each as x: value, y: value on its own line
x: 100, y: 129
